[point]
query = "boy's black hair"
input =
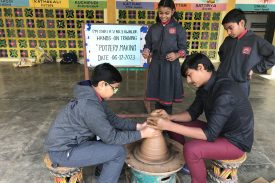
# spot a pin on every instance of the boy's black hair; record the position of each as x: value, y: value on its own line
x: 168, y: 4
x: 105, y: 72
x: 192, y: 61
x: 234, y: 16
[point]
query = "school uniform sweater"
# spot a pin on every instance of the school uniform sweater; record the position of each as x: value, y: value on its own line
x: 87, y: 116
x: 239, y: 55
x: 164, y: 82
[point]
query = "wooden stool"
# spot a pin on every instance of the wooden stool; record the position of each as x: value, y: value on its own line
x: 225, y: 171
x: 64, y: 174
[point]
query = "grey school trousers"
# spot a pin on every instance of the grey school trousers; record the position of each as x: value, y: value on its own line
x: 93, y: 153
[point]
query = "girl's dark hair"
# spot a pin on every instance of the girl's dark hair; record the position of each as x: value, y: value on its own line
x: 168, y: 4
x: 234, y: 16
x: 105, y: 72
x: 192, y: 61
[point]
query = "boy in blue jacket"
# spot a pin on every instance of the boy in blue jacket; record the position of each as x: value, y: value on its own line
x: 243, y: 52
x: 70, y: 141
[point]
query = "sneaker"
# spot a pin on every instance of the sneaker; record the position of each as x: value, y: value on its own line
x: 98, y: 169
x: 185, y: 170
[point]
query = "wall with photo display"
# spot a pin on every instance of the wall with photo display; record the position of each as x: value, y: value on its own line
x: 201, y: 19
x: 55, y: 25
x: 202, y: 27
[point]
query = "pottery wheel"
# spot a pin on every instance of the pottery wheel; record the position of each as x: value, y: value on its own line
x: 172, y: 163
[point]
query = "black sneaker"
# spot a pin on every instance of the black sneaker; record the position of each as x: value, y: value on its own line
x: 98, y: 169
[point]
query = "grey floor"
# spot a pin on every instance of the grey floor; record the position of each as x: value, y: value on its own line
x: 31, y: 97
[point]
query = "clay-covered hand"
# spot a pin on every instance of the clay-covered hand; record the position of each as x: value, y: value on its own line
x: 172, y: 56
x: 146, y: 53
x: 158, y: 122
x: 160, y: 113
x: 148, y: 132
x: 141, y: 126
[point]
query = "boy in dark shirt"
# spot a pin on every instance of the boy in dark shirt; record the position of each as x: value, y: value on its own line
x: 228, y: 132
x: 243, y: 52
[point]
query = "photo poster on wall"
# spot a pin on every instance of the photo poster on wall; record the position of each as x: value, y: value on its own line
x: 119, y: 45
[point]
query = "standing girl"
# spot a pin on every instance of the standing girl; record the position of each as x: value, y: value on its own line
x: 166, y: 43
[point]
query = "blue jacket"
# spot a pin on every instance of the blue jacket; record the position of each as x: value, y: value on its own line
x: 85, y: 117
